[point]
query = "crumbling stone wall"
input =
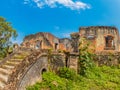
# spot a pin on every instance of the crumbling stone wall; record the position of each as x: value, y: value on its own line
x: 44, y: 40
x: 103, y: 37
x: 41, y: 41
x: 30, y: 69
x: 16, y: 79
x: 75, y: 41
x: 65, y: 44
x: 33, y: 74
x: 107, y: 58
x: 57, y: 61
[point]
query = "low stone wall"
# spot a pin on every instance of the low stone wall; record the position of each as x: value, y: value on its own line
x: 57, y: 61
x: 103, y: 58
x: 109, y: 59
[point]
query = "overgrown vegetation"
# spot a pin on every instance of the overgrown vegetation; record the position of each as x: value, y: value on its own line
x: 98, y: 78
x: 90, y: 76
x: 86, y: 56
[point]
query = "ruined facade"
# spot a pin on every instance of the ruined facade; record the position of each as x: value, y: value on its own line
x: 65, y: 44
x: 44, y: 40
x: 103, y: 38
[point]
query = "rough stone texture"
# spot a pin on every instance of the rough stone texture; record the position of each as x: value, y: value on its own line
x: 44, y: 40
x: 107, y: 58
x: 41, y: 40
x: 29, y: 70
x: 65, y: 44
x: 75, y: 41
x: 33, y: 73
x: 57, y: 61
x: 73, y: 62
x: 19, y: 70
x: 103, y: 37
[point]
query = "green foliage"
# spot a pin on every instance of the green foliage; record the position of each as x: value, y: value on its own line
x: 107, y: 78
x: 85, y: 57
x: 51, y: 82
x: 91, y: 77
x: 98, y: 78
x: 67, y: 73
x: 6, y: 32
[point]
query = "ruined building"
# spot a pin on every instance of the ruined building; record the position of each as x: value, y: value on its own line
x: 44, y: 40
x: 102, y: 37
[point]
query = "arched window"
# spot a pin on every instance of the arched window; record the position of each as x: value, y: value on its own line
x: 38, y: 44
x: 109, y: 42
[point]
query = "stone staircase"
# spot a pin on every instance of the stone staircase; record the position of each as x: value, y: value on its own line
x: 8, y: 64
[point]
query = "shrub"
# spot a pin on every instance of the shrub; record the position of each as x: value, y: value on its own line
x: 67, y: 73
x: 51, y: 82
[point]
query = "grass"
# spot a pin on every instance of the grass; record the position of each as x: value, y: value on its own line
x: 98, y: 78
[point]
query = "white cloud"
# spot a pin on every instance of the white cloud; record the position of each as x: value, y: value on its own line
x: 71, y: 4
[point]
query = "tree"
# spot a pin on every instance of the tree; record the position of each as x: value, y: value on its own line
x: 6, y: 33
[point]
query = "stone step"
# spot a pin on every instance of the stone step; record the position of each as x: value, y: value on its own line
x: 16, y: 60
x: 4, y: 78
x: 2, y: 85
x: 18, y: 57
x: 4, y: 71
x: 7, y: 67
x: 11, y: 63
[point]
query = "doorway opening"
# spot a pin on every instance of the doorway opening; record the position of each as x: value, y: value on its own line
x: 56, y: 46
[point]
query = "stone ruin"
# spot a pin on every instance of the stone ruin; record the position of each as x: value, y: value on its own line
x: 44, y: 40
x: 103, y: 38
x: 26, y: 65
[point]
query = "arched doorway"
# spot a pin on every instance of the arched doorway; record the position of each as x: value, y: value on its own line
x: 56, y: 46
x: 43, y: 70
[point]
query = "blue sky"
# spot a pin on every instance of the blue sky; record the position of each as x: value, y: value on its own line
x: 59, y: 17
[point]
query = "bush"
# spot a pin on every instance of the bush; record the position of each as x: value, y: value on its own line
x: 67, y: 73
x: 51, y: 82
x: 98, y: 78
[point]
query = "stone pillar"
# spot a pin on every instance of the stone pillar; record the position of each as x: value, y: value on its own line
x: 74, y: 62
